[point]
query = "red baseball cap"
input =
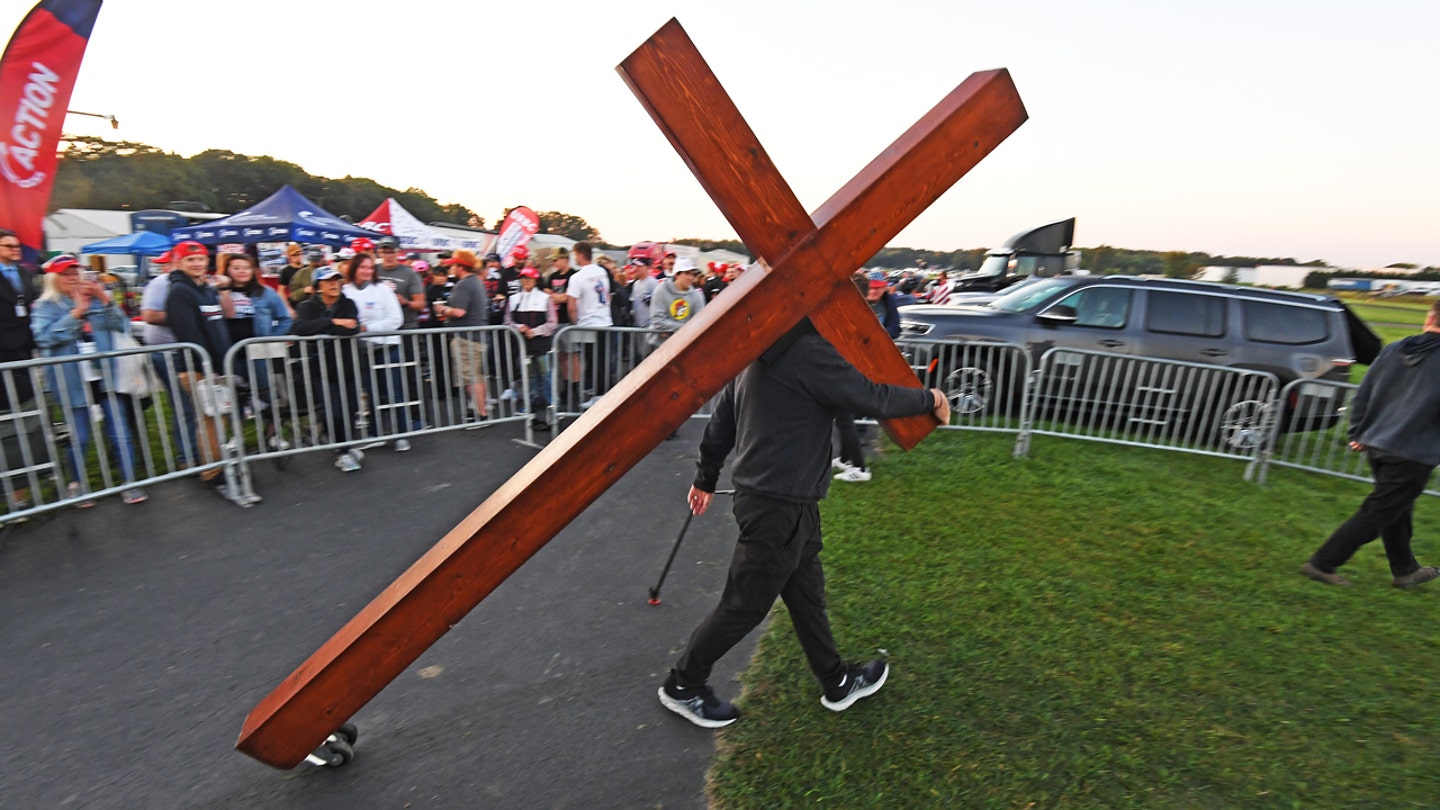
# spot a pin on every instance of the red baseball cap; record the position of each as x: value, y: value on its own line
x: 520, y: 252
x: 362, y: 244
x: 530, y: 272
x: 163, y: 258
x: 184, y: 250
x: 60, y: 264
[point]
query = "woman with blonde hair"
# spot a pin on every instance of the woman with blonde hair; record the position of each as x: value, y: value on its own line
x: 70, y: 304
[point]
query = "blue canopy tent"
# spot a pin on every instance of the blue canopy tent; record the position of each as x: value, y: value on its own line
x: 139, y: 243
x: 285, y: 216
x: 145, y: 244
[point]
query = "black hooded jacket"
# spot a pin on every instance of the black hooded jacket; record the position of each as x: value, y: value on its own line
x: 193, y: 313
x: 778, y: 413
x: 1397, y: 407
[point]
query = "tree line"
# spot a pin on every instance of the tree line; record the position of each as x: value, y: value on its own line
x: 96, y: 173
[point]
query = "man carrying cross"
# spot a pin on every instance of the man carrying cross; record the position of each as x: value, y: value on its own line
x: 778, y: 414
x: 812, y: 256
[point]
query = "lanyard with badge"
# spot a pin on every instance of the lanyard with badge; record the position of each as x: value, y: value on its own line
x: 22, y: 307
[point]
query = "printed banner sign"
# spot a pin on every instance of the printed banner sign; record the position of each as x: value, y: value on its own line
x: 520, y: 224
x: 37, y: 74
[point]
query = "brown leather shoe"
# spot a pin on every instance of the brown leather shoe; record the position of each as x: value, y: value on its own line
x: 1424, y: 574
x: 1309, y: 570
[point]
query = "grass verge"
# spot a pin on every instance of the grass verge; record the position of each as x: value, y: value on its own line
x: 1096, y: 627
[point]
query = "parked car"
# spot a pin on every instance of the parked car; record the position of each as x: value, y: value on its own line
x: 1291, y: 335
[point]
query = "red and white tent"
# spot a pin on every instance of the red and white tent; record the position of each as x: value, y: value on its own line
x: 391, y: 219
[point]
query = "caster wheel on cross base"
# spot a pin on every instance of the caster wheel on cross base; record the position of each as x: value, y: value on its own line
x: 338, y: 749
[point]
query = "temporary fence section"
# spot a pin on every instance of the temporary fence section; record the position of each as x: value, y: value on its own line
x: 588, y: 361
x: 1314, y: 433
x: 988, y: 383
x: 85, y: 426
x: 88, y: 425
x: 303, y: 394
x: 1167, y: 404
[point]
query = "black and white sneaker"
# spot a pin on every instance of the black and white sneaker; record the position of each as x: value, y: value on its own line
x: 698, y: 705
x: 859, y: 680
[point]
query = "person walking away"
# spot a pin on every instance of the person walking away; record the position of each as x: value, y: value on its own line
x: 74, y: 311
x: 1395, y: 421
x: 332, y: 362
x: 777, y: 414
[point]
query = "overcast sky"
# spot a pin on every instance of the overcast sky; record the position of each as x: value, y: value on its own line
x: 1259, y: 128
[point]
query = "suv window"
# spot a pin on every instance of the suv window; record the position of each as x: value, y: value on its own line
x: 1104, y: 307
x: 1020, y: 298
x: 1281, y: 323
x: 1185, y: 314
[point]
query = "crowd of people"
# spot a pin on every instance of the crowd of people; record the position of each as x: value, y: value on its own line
x: 371, y: 286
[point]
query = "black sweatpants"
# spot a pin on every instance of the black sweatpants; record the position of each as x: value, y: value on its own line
x: 778, y: 554
x: 1386, y: 513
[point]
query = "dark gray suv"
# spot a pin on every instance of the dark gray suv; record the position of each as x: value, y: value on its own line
x: 1291, y: 335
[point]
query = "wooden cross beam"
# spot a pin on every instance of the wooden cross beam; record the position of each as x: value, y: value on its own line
x: 811, y: 260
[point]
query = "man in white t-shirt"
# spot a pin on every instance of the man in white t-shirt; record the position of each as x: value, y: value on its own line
x: 590, y: 287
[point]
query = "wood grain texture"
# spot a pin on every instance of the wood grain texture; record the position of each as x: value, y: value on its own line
x: 811, y: 265
x: 675, y: 84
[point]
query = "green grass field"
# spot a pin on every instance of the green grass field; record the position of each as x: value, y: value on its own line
x: 1096, y: 627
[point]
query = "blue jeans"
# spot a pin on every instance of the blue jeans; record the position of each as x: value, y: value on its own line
x: 117, y: 420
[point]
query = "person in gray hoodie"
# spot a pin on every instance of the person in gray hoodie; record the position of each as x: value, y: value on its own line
x: 676, y: 301
x: 1395, y: 421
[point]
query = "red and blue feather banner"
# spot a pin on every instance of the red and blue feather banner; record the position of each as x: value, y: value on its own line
x: 37, y: 74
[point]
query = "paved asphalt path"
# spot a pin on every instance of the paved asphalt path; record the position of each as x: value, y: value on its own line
x: 136, y: 639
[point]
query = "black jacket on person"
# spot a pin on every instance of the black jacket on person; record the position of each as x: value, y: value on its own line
x: 17, y: 342
x: 777, y: 415
x: 193, y: 313
x: 312, y: 317
x: 1397, y: 406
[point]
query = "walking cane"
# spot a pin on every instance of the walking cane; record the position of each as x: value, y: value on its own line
x: 655, y: 591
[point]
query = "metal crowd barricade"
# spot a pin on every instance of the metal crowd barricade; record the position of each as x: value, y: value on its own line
x: 1315, y: 433
x: 588, y: 361
x: 135, y: 424
x: 1145, y: 402
x: 302, y: 394
x: 988, y: 383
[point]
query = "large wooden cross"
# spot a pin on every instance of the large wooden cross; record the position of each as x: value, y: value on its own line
x: 812, y: 258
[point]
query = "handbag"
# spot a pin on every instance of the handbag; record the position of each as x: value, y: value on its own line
x: 134, y: 376
x: 213, y: 396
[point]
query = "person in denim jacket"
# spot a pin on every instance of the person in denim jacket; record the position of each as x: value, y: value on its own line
x: 251, y: 310
x: 69, y: 305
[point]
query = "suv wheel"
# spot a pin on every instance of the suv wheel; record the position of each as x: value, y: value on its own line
x: 1245, y: 424
x: 971, y: 390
